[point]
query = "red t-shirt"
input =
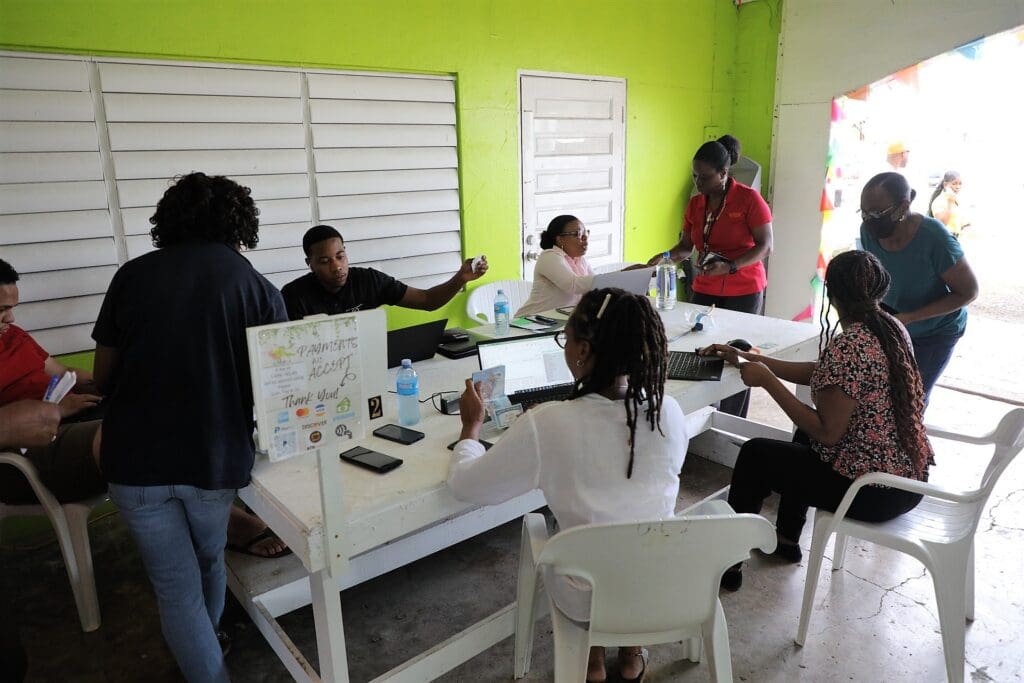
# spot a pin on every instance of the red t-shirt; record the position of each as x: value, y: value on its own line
x: 731, y: 236
x: 21, y: 367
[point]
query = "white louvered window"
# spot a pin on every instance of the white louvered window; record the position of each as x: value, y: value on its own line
x: 88, y: 146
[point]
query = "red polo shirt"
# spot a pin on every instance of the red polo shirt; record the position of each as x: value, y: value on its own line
x: 732, y: 236
x: 21, y: 367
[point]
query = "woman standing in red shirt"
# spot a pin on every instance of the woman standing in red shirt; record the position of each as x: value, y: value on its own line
x: 730, y: 226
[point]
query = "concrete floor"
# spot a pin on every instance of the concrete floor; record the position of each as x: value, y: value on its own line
x: 873, y: 621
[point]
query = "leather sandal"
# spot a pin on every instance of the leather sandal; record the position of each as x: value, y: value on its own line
x: 643, y: 672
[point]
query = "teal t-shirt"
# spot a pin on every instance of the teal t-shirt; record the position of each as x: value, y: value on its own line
x: 916, y: 272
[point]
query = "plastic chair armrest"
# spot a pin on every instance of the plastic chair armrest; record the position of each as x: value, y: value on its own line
x: 892, y: 481
x: 536, y: 530
x: 939, y: 433
x: 20, y: 462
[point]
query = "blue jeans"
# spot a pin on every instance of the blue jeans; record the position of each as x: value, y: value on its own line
x: 932, y: 355
x: 180, y: 532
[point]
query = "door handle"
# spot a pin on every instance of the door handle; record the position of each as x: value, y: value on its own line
x: 530, y: 239
x: 531, y: 256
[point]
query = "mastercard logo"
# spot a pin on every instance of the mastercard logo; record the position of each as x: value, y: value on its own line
x: 302, y: 412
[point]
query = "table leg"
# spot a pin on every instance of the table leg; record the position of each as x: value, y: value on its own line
x: 330, y: 631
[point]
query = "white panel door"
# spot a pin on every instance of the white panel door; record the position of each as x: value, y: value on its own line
x: 573, y: 135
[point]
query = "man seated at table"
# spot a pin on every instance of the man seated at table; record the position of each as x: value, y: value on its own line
x: 332, y: 286
x: 69, y: 465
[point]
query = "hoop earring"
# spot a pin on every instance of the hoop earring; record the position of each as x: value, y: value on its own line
x: 579, y: 362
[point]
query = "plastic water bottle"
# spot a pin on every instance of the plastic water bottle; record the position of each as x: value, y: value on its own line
x: 501, y: 314
x: 665, y: 275
x: 408, y: 394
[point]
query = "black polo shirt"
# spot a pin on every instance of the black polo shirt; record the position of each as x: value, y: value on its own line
x: 364, y: 289
x: 181, y: 410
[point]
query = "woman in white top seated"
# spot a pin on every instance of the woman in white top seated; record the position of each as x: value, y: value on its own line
x: 611, y: 453
x: 562, y: 274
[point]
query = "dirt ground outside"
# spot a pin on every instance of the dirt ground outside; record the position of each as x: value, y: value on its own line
x: 988, y: 359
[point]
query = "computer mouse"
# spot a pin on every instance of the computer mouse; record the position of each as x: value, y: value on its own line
x: 741, y: 344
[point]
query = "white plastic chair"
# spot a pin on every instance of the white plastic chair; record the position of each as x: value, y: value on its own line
x: 480, y: 302
x: 652, y: 582
x: 939, y: 532
x: 70, y: 523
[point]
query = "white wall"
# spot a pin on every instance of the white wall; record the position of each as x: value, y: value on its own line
x: 828, y: 48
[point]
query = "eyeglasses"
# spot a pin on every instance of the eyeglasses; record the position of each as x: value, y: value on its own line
x: 581, y: 234
x: 560, y: 339
x: 875, y: 215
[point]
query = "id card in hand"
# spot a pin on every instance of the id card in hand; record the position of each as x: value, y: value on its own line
x: 491, y: 381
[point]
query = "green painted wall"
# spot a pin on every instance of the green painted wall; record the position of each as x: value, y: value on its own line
x: 688, y: 65
x: 694, y: 69
x: 757, y: 40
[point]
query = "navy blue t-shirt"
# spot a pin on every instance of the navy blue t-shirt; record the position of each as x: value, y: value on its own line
x: 180, y: 408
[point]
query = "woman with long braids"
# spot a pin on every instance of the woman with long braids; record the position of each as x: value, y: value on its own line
x: 611, y: 453
x: 867, y: 414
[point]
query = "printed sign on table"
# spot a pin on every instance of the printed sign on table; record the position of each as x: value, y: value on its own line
x: 307, y: 386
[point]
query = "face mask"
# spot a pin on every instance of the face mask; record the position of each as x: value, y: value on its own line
x: 881, y: 227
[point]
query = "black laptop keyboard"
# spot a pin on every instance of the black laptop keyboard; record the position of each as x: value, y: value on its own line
x: 531, y: 397
x: 688, y: 365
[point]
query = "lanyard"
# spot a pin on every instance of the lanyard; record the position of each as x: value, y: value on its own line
x: 710, y: 219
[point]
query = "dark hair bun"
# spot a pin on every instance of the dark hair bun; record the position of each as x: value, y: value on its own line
x: 732, y: 146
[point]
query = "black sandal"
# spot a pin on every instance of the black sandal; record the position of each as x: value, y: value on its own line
x: 732, y: 579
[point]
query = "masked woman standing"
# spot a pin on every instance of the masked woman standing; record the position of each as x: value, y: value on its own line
x: 931, y: 280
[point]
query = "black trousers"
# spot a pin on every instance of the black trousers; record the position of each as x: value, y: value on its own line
x: 736, y: 404
x: 795, y: 471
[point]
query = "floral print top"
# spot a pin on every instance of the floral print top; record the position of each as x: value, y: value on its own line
x: 855, y: 362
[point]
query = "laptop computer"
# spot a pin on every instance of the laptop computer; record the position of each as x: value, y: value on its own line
x: 633, y: 281
x: 692, y: 366
x: 535, y: 369
x: 418, y: 342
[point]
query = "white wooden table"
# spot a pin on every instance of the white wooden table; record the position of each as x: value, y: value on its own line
x: 381, y: 522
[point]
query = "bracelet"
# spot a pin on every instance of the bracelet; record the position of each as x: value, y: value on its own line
x: 732, y: 268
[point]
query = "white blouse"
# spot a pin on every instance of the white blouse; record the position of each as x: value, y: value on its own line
x: 577, y: 453
x: 555, y: 284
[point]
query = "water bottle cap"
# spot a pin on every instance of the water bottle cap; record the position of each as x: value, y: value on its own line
x: 406, y: 363
x: 667, y: 254
x: 501, y: 291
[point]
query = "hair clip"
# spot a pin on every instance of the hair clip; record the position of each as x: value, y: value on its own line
x: 604, y: 305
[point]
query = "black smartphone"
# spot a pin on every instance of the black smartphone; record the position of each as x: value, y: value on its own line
x: 711, y: 257
x: 371, y: 460
x: 487, y: 444
x: 402, y: 435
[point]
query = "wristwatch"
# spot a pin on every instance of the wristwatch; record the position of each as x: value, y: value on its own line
x: 732, y: 267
